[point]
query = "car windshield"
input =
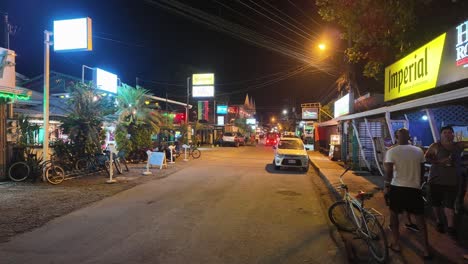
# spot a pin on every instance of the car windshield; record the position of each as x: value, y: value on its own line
x: 227, y: 134
x: 290, y: 144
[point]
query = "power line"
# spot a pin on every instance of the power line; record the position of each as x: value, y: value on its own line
x: 235, y: 30
x: 304, y: 14
x: 256, y: 22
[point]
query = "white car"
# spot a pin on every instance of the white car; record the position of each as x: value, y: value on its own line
x: 290, y: 152
x: 233, y: 138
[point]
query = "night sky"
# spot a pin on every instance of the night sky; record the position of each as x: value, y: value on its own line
x: 137, y: 39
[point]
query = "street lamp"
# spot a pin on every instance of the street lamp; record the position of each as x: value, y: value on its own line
x: 322, y: 46
x: 285, y: 112
x: 273, y: 119
x: 70, y: 34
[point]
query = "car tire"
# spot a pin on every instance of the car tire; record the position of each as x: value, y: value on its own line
x: 277, y: 167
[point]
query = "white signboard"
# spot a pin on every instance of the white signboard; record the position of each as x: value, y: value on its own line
x: 105, y: 81
x: 203, y: 91
x: 342, y: 106
x: 250, y: 121
x: 73, y: 34
x: 220, y: 120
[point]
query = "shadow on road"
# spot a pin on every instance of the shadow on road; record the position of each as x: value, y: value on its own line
x: 271, y: 169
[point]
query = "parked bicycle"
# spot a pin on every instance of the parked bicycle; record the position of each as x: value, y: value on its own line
x: 192, y: 151
x: 34, y: 168
x: 349, y: 214
x: 99, y: 162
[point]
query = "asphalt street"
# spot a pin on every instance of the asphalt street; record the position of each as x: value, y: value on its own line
x: 229, y: 206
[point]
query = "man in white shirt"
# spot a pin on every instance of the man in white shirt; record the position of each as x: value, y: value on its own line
x: 404, y: 171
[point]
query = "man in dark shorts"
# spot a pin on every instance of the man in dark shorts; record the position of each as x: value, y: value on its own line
x: 404, y: 171
x: 445, y: 177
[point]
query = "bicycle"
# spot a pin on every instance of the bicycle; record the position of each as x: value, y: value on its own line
x: 192, y: 150
x: 349, y: 214
x: 33, y: 167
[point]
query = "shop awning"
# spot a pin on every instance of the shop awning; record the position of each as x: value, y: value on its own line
x: 454, y: 95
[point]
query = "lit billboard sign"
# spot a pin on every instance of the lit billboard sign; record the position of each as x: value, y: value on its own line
x: 203, y: 85
x: 310, y: 113
x: 203, y: 91
x: 342, y: 106
x: 105, y: 81
x: 442, y: 61
x: 416, y: 72
x: 73, y: 34
x: 221, y: 109
x: 203, y: 79
x: 220, y: 120
x: 250, y: 121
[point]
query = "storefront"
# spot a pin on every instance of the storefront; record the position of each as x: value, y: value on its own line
x: 426, y: 90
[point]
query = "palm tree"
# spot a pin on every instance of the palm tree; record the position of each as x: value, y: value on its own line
x: 135, y: 119
x: 132, y: 109
x: 84, y: 123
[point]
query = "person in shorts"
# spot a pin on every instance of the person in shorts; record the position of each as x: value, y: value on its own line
x: 404, y: 171
x: 445, y: 177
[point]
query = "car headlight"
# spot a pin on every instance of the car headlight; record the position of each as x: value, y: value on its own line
x: 279, y: 156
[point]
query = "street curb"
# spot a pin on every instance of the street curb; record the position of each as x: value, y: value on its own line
x: 334, y: 233
x: 332, y: 189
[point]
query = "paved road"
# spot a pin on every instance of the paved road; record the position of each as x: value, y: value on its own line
x: 230, y: 206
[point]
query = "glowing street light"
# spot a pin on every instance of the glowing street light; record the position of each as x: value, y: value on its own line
x: 322, y: 46
x: 285, y: 112
x: 273, y: 119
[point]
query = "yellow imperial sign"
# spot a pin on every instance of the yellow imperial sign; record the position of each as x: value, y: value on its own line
x: 203, y: 79
x: 416, y: 72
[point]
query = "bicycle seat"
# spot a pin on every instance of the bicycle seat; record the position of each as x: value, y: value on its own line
x: 364, y: 196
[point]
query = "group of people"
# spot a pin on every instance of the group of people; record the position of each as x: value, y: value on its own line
x: 404, y: 174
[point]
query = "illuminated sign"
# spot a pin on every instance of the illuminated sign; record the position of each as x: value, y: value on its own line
x: 220, y: 120
x: 105, y: 81
x: 203, y: 91
x: 73, y: 34
x: 203, y: 85
x: 462, y: 45
x: 310, y: 113
x: 342, y: 106
x: 203, y: 79
x: 416, y: 72
x: 221, y: 109
x: 233, y: 109
x: 250, y: 121
x: 442, y: 61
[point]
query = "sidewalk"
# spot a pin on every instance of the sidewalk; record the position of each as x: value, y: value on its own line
x: 444, y: 248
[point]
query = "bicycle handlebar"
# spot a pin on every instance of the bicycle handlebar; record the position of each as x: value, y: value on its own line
x: 342, y: 174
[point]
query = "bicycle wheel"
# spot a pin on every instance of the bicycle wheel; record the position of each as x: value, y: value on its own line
x: 196, y: 153
x: 19, y: 171
x: 55, y: 174
x: 82, y: 164
x: 118, y: 166
x: 375, y: 237
x: 341, y: 216
x: 124, y: 163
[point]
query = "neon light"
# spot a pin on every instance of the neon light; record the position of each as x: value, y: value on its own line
x: 15, y: 96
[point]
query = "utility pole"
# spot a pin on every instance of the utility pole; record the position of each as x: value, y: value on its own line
x: 6, y: 31
x: 187, y: 106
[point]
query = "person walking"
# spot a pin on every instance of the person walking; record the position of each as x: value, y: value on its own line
x: 404, y: 171
x: 445, y: 178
